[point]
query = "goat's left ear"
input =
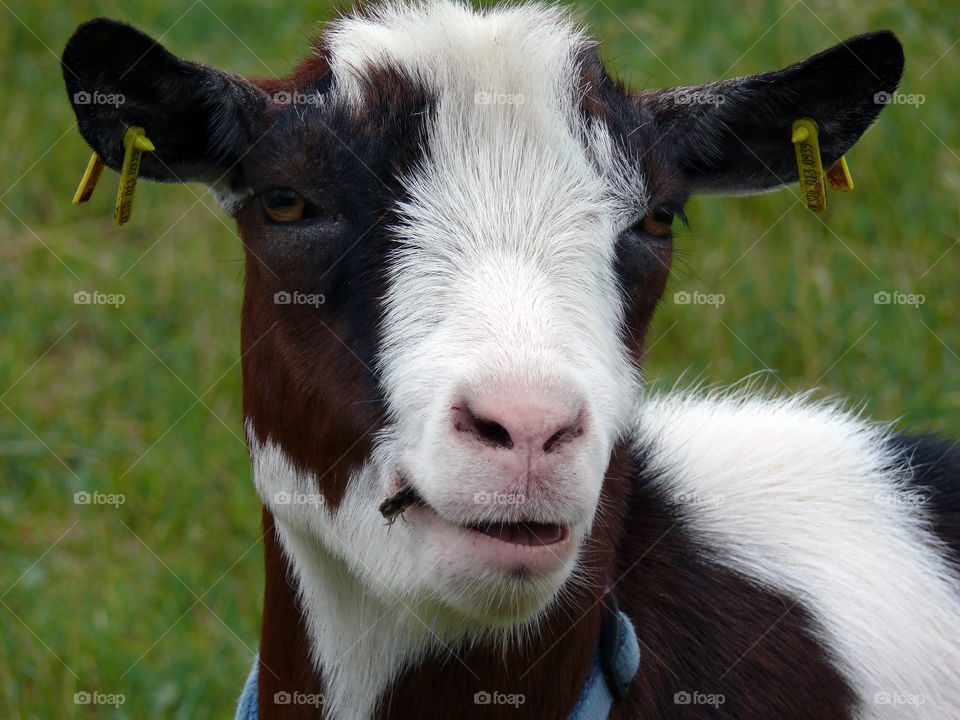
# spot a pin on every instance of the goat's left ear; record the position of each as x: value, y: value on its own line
x: 733, y: 136
x: 200, y: 120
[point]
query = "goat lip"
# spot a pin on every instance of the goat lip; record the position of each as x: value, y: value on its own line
x: 507, y: 547
x: 531, y: 534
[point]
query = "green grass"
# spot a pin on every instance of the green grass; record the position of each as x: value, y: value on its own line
x: 103, y: 598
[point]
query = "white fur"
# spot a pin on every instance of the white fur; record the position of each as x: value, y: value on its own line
x: 228, y: 198
x: 347, y: 565
x: 368, y: 588
x: 800, y: 496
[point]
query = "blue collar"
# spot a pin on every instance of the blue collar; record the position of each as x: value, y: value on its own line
x: 615, y: 663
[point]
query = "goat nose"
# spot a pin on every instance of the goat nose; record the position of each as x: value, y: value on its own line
x: 517, y: 423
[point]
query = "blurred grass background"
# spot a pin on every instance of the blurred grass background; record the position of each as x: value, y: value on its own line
x: 159, y: 599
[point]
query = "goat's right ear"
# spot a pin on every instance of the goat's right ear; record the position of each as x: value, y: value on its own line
x: 201, y: 120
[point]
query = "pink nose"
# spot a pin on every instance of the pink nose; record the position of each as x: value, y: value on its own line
x: 523, y: 425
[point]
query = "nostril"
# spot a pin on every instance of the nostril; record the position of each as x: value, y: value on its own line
x: 487, y: 431
x: 564, y: 434
x: 492, y: 432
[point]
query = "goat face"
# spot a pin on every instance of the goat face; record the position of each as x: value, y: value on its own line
x: 457, y: 230
x: 494, y: 282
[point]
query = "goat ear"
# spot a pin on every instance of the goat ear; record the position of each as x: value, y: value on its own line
x: 200, y: 120
x: 733, y: 136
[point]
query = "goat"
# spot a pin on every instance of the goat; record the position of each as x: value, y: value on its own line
x: 486, y: 216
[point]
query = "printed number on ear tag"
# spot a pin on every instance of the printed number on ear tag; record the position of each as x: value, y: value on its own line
x: 135, y: 143
x: 804, y: 136
x: 809, y: 166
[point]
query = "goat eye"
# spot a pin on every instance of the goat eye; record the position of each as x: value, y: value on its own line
x: 284, y: 205
x: 658, y: 223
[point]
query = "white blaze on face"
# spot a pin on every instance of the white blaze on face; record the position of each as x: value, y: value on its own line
x: 503, y: 284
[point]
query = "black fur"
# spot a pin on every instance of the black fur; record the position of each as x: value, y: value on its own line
x: 935, y: 483
x: 733, y: 136
x: 706, y: 628
x: 201, y: 120
x: 348, y: 164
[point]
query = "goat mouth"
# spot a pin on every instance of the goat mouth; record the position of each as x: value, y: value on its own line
x: 525, y: 546
x: 523, y: 533
x: 527, y: 533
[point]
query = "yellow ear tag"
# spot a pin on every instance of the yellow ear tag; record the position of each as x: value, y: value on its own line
x: 804, y: 139
x: 89, y: 180
x: 135, y: 143
x: 838, y: 176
